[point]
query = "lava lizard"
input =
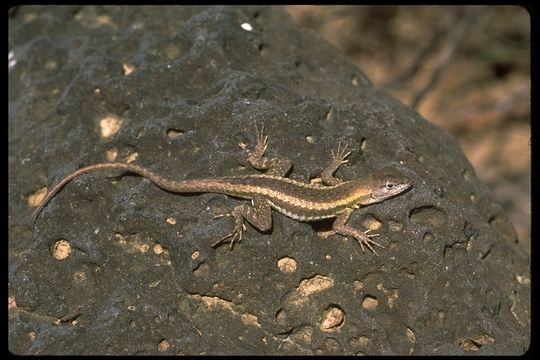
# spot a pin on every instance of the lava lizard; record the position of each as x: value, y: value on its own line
x: 292, y: 198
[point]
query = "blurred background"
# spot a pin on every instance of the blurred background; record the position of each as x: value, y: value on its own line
x: 464, y: 68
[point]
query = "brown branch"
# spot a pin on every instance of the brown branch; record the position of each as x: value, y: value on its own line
x: 447, y: 54
x: 423, y: 55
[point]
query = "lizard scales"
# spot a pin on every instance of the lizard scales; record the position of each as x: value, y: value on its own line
x: 292, y: 198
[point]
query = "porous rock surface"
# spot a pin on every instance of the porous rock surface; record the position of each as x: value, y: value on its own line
x: 114, y: 265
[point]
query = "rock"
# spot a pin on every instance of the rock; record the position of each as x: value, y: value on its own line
x: 114, y: 265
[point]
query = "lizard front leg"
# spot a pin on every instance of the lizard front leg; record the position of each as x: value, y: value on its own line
x: 362, y: 237
x: 259, y: 215
x: 274, y: 166
x: 338, y: 158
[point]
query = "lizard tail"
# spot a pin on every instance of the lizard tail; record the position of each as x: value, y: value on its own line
x: 155, y: 178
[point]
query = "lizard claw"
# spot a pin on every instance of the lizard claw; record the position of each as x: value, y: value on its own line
x: 372, y: 235
x: 261, y: 140
x: 365, y: 239
x: 235, y: 236
x: 341, y: 153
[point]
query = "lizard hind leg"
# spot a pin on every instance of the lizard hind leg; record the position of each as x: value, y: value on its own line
x: 276, y: 166
x: 259, y: 215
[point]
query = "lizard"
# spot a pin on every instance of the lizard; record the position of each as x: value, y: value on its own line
x: 297, y: 200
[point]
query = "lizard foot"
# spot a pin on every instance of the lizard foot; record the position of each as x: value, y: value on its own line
x: 341, y: 154
x: 364, y: 238
x: 262, y: 140
x: 235, y: 235
x: 338, y: 158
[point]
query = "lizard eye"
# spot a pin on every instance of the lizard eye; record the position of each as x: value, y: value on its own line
x: 389, y: 185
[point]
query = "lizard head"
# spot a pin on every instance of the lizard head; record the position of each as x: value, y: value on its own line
x: 385, y: 183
